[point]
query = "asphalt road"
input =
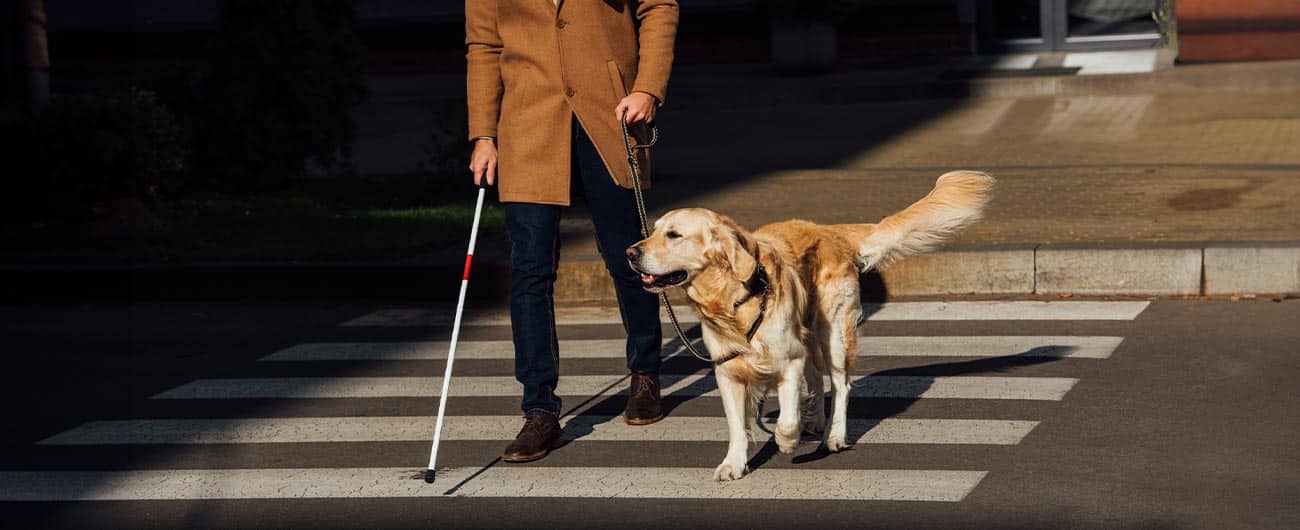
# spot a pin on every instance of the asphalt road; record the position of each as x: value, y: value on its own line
x: 1177, y: 414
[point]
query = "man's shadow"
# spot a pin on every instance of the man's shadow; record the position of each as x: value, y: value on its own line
x: 598, y: 409
x: 581, y: 419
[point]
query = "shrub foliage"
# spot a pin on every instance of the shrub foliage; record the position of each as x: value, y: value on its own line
x: 82, y: 148
x: 283, y: 78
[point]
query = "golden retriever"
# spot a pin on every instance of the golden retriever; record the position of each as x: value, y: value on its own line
x: 780, y: 306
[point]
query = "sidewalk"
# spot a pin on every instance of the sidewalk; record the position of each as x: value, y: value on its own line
x: 1185, y: 181
x: 1015, y: 75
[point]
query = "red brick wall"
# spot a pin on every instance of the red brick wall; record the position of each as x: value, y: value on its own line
x: 1238, y: 30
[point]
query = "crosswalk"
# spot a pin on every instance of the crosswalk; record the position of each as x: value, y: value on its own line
x: 503, y: 428
x: 576, y: 482
x: 965, y: 346
x: 694, y: 385
x: 698, y: 431
x: 984, y: 310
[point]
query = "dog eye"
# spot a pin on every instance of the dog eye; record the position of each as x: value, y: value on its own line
x: 672, y: 235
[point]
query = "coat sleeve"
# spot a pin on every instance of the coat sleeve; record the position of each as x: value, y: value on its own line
x: 483, y: 84
x: 658, y: 31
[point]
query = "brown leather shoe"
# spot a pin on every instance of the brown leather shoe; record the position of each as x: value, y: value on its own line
x: 540, y: 434
x: 643, y: 406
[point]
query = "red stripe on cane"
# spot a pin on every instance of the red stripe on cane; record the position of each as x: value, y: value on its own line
x: 468, y: 259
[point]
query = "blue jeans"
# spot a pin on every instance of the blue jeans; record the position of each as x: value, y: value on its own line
x: 534, y: 256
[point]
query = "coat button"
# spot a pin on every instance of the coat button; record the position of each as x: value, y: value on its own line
x: 561, y: 23
x: 569, y: 92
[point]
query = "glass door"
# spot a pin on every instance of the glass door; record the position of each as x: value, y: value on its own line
x: 1064, y: 25
x: 1104, y: 21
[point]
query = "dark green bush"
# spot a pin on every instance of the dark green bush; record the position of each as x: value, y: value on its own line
x: 281, y: 81
x: 82, y: 148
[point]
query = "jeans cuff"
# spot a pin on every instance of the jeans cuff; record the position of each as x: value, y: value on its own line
x: 538, y: 412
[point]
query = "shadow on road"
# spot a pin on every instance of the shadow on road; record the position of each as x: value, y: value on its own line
x: 925, y: 373
x: 882, y: 408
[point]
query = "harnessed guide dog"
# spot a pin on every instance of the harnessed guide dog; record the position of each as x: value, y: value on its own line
x: 780, y: 306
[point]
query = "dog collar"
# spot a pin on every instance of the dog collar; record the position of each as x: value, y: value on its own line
x: 758, y: 284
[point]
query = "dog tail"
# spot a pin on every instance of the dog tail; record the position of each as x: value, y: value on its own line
x: 957, y: 200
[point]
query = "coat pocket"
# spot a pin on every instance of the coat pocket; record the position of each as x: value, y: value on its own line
x: 616, y: 79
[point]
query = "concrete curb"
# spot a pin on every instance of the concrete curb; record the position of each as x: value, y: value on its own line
x: 1130, y: 271
x: 1246, y: 269
x: 1155, y: 270
x: 1150, y: 270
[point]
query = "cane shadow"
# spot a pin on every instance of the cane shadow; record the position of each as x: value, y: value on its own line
x: 599, y: 409
x: 897, y: 398
x: 581, y: 420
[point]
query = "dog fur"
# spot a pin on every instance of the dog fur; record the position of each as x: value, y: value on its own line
x: 813, y: 309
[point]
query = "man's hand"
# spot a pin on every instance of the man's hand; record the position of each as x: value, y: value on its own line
x: 483, y: 161
x: 639, y: 107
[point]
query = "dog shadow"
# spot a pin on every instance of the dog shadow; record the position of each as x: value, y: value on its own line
x: 923, y: 378
x: 584, y: 417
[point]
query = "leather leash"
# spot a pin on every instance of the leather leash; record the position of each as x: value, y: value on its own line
x: 759, y: 276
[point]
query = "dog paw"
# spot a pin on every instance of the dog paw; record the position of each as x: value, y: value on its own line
x: 787, y: 439
x: 728, y: 471
x: 836, y: 444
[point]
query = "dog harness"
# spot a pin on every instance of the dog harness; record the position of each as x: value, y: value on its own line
x: 758, y: 284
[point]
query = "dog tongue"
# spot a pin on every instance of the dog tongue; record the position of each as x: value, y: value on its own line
x: 646, y: 278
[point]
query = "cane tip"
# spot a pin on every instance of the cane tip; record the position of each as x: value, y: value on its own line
x: 428, y: 476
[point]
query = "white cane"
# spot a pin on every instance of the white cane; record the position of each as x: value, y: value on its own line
x: 455, y: 334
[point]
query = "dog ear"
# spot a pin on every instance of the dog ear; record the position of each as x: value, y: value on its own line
x: 734, y: 245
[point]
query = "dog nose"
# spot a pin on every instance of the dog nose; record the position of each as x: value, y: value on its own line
x: 633, y: 252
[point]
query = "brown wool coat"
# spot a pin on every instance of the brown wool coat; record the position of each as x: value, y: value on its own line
x: 532, y: 65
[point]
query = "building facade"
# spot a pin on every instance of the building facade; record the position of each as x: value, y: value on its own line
x: 427, y: 35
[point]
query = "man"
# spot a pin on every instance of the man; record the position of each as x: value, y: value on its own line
x: 548, y: 82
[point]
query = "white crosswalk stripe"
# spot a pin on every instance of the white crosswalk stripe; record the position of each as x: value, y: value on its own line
x: 766, y: 482
x: 496, y: 481
x: 977, y: 346
x: 1082, y: 310
x: 989, y: 310
x: 963, y: 387
x: 586, y: 428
